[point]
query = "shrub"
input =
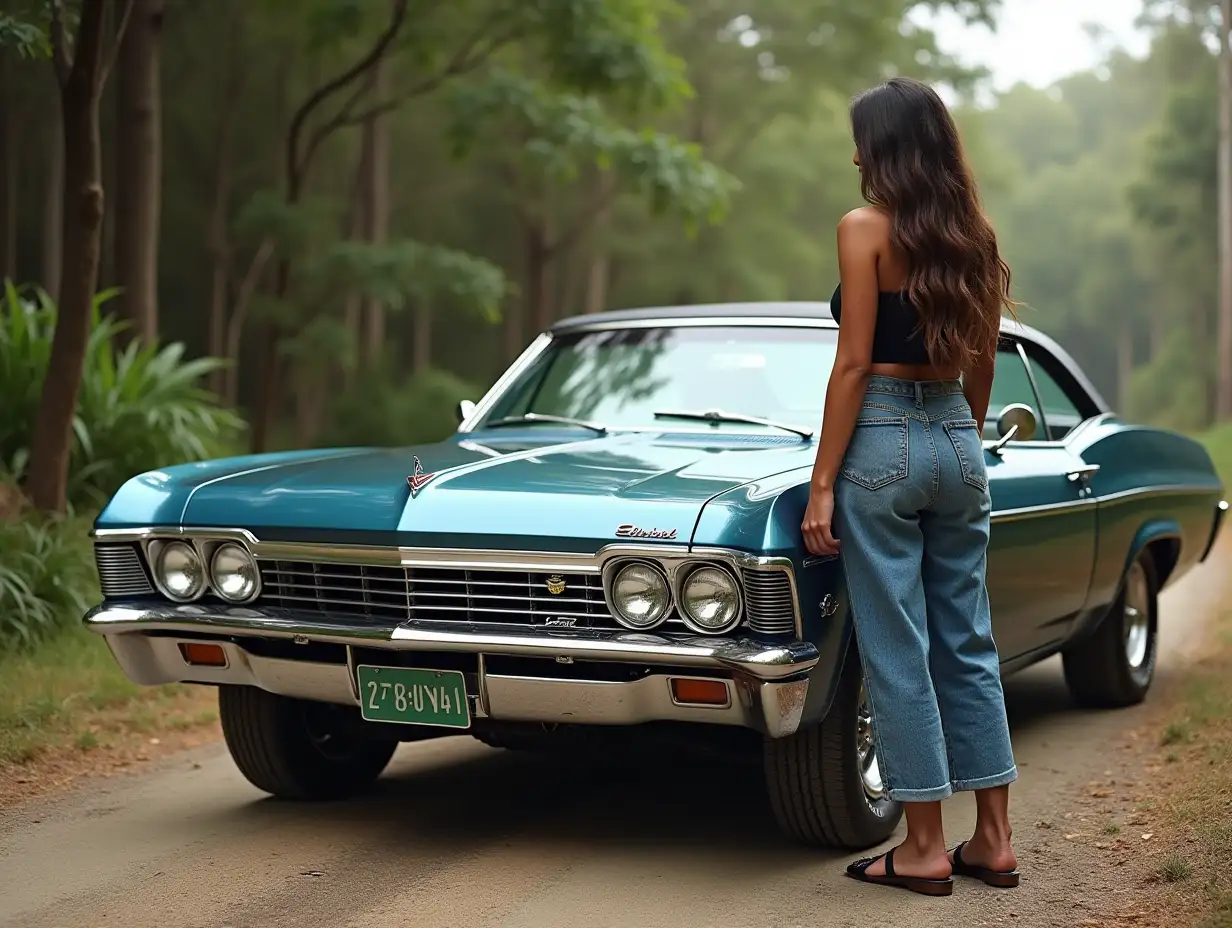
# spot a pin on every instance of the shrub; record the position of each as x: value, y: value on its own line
x: 384, y: 411
x: 140, y: 407
x: 47, y: 577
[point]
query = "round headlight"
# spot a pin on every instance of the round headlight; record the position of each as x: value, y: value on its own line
x: 179, y: 571
x: 234, y: 573
x: 710, y: 599
x: 640, y: 596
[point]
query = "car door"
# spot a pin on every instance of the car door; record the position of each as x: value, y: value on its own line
x: 1042, y: 545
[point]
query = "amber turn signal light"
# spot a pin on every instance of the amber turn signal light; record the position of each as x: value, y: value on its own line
x: 201, y: 654
x: 700, y: 692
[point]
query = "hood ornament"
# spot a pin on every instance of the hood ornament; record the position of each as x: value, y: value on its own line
x: 419, y: 479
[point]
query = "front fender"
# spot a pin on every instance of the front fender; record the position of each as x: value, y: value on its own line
x: 763, y: 518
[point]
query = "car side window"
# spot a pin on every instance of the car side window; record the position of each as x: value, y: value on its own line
x: 1060, y: 412
x: 1010, y: 384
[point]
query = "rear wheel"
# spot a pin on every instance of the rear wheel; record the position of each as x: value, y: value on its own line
x: 297, y: 749
x: 825, y: 781
x: 1114, y: 667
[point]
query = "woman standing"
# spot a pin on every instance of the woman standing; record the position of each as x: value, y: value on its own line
x: 899, y: 481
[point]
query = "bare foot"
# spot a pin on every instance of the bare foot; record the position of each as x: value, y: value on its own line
x: 986, y: 852
x: 910, y: 861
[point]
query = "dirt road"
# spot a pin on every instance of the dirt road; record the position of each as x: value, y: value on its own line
x: 461, y: 835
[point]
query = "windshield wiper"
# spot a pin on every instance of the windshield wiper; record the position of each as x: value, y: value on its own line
x: 539, y: 417
x: 718, y: 415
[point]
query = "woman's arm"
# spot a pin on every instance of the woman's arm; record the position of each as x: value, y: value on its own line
x: 861, y: 234
x: 977, y: 386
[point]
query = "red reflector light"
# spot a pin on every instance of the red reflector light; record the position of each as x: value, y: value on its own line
x: 700, y: 692
x: 201, y: 654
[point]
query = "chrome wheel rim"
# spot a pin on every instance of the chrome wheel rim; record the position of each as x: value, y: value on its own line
x: 1136, y: 618
x: 866, y: 751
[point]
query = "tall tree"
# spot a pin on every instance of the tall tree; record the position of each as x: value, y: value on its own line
x: 1223, y: 397
x: 81, y: 63
x: 10, y: 151
x: 139, y: 167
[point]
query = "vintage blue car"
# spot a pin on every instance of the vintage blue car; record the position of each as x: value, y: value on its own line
x: 612, y: 540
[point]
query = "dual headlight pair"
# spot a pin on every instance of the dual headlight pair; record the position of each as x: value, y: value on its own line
x: 709, y: 597
x: 183, y: 575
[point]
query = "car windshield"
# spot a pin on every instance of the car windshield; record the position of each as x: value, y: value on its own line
x: 622, y: 378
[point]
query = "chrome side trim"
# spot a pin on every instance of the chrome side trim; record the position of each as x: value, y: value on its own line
x: 745, y: 656
x: 1036, y: 512
x: 1032, y: 512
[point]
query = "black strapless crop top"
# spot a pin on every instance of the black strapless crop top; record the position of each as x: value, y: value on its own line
x: 895, y: 339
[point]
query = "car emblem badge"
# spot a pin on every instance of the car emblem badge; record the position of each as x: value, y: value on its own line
x: 419, y: 479
x: 829, y: 606
x: 556, y: 584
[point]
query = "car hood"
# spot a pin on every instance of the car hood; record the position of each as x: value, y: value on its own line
x: 574, y: 496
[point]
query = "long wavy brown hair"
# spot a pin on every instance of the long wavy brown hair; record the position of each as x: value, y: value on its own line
x: 912, y: 165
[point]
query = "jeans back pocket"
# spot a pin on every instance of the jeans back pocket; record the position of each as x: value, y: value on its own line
x: 969, y: 447
x: 877, y: 452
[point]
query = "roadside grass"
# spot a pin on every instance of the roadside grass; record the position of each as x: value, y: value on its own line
x: 1196, y: 799
x: 68, y: 696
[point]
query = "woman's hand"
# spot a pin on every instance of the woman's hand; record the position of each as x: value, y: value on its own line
x: 818, y: 517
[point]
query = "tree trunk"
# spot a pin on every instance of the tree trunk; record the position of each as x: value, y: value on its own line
x: 10, y: 148
x: 139, y: 168
x: 1223, y: 394
x: 219, y: 241
x: 81, y: 85
x: 538, y: 275
x: 598, y: 275
x: 53, y: 204
x: 376, y: 139
x: 421, y: 348
x: 356, y: 228
x: 1125, y: 366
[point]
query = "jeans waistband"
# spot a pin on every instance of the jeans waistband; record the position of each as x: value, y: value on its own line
x: 896, y: 386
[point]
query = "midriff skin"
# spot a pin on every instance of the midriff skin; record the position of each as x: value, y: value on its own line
x: 913, y: 371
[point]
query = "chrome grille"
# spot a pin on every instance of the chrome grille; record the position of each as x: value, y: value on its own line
x: 768, y: 602
x: 434, y: 594
x: 120, y: 572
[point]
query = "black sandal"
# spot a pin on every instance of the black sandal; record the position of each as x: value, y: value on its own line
x: 1003, y: 879
x: 917, y: 884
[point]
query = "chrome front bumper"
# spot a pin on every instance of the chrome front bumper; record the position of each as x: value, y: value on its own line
x: 766, y: 684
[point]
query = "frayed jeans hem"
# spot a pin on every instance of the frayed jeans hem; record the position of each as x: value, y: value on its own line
x: 1000, y: 779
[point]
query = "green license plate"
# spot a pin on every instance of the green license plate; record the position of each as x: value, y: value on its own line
x: 413, y: 697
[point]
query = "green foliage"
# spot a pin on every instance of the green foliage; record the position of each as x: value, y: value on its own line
x: 25, y: 29
x: 562, y: 134
x: 47, y: 578
x: 139, y: 407
x: 404, y: 273
x: 392, y: 410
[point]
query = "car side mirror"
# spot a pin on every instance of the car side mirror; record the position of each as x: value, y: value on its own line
x: 465, y: 408
x: 1016, y: 421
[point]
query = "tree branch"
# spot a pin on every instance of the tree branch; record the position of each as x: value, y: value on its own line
x: 61, y: 58
x: 463, y: 62
x: 110, y: 57
x: 297, y: 164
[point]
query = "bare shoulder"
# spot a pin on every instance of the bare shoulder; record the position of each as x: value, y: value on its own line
x: 866, y: 227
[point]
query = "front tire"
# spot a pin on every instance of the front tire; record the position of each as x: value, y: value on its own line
x: 824, y: 781
x: 297, y: 749
x: 1114, y: 667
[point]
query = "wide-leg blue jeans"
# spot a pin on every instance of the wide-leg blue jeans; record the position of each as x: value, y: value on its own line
x: 912, y: 515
